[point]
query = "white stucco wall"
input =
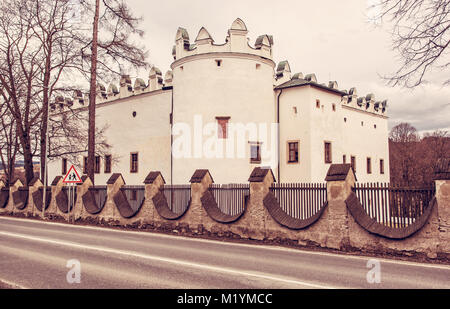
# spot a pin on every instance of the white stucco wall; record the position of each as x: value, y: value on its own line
x: 237, y: 89
x: 148, y: 134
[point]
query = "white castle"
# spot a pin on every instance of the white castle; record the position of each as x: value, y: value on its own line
x: 229, y: 108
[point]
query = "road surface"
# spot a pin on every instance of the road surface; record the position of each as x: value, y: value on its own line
x: 36, y: 254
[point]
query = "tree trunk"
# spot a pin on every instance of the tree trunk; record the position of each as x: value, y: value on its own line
x: 44, y: 126
x: 93, y: 95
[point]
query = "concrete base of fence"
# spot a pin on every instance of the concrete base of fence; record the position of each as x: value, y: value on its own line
x: 425, y: 241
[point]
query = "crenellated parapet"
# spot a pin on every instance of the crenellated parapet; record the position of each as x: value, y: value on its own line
x: 235, y: 42
x: 125, y: 89
x: 366, y: 103
x: 285, y: 79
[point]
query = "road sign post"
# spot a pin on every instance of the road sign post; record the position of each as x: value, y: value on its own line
x: 71, y: 179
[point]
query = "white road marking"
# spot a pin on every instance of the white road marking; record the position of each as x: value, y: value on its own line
x: 167, y: 260
x: 13, y: 285
x: 226, y: 243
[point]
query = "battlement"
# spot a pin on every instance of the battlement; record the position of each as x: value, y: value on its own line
x: 235, y: 42
x: 285, y: 79
x: 125, y: 89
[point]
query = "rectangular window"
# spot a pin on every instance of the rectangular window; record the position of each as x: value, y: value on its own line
x: 85, y: 164
x: 344, y: 159
x: 369, y: 166
x: 381, y: 166
x: 255, y: 153
x: 108, y: 164
x: 134, y: 162
x: 97, y: 165
x: 318, y: 103
x: 353, y: 162
x: 64, y: 166
x: 293, y: 152
x: 222, y: 130
x: 327, y: 151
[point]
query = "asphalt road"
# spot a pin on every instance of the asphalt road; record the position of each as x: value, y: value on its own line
x: 35, y: 254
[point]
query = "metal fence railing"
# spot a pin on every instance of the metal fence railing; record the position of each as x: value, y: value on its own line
x: 135, y: 195
x: 300, y: 200
x: 231, y: 198
x: 391, y: 205
x: 178, y: 197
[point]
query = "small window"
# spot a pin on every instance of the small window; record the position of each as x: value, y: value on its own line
x: 333, y: 107
x: 362, y: 123
x: 344, y: 159
x: 353, y: 163
x: 295, y: 109
x: 381, y: 166
x: 293, y: 152
x: 181, y: 68
x: 219, y: 63
x: 222, y: 130
x: 318, y: 103
x: 134, y: 162
x: 85, y: 164
x: 108, y: 164
x: 369, y: 166
x: 255, y: 153
x: 258, y: 66
x: 327, y: 151
x: 97, y: 165
x: 345, y: 119
x: 374, y: 126
x: 64, y: 166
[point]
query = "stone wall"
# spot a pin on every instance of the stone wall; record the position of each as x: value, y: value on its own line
x: 335, y: 228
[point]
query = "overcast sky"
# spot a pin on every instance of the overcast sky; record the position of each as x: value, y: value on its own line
x: 330, y: 38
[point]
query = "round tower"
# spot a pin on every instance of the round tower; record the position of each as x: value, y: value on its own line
x: 221, y: 94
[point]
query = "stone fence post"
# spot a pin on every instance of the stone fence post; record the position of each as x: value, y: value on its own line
x: 442, y: 181
x: 200, y: 181
x: 153, y: 183
x: 252, y: 223
x: 340, y: 181
x: 34, y: 186
x: 113, y: 185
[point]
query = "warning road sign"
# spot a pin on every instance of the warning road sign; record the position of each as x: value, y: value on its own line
x: 72, y: 176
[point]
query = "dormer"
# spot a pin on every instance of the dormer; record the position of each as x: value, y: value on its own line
x: 101, y: 91
x: 298, y: 75
x: 78, y: 98
x: 139, y: 85
x: 361, y: 102
x: 238, y: 36
x: 264, y: 42
x: 155, y: 79
x: 370, y: 101
x: 283, y: 73
x: 311, y: 77
x: 203, y: 37
x: 168, y: 78
x: 181, y: 42
x: 125, y: 86
x: 352, y: 96
x: 333, y: 84
x: 112, y: 90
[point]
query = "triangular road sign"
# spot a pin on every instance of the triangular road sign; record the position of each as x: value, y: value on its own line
x: 72, y: 176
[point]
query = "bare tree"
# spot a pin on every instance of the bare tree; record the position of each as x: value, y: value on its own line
x: 414, y: 159
x: 8, y: 142
x: 421, y: 35
x: 111, y: 52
